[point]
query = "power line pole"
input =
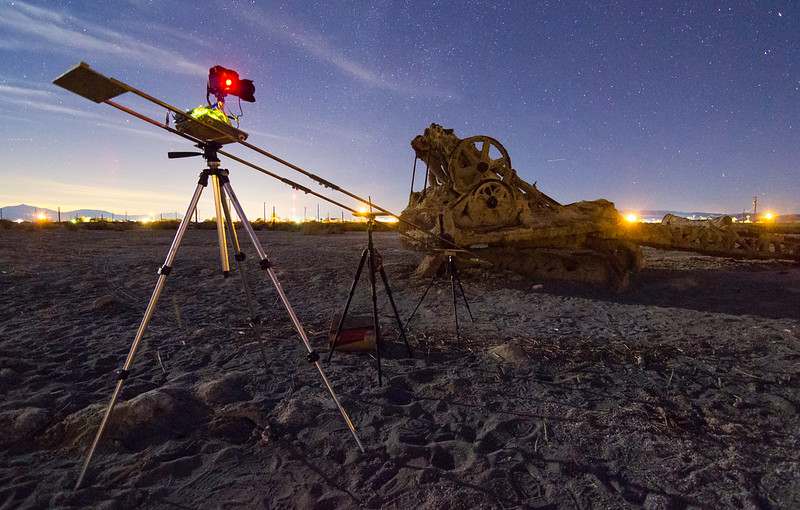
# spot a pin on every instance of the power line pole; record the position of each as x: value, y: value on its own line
x: 755, y: 209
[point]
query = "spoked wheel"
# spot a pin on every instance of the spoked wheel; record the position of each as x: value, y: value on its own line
x: 477, y: 158
x: 490, y: 205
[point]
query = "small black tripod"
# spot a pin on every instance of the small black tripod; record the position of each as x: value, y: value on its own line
x: 222, y: 189
x: 374, y: 260
x: 449, y: 258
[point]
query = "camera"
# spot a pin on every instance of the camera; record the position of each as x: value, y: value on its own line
x: 222, y: 82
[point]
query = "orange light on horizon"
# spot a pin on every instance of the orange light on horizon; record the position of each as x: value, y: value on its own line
x: 631, y: 218
x: 42, y: 216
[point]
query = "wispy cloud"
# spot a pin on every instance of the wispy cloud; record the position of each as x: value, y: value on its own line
x: 325, y: 50
x: 151, y: 133
x: 21, y: 91
x: 322, y: 49
x: 49, y: 30
x: 34, y: 101
x: 22, y: 99
x: 272, y: 136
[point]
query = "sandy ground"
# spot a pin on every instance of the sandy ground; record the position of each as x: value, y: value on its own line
x: 683, y: 392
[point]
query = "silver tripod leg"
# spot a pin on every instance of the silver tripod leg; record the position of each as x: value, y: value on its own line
x: 265, y: 263
x: 223, y: 249
x: 239, y: 256
x: 162, y: 276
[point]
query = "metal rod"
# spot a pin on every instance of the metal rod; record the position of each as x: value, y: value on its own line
x: 413, y: 174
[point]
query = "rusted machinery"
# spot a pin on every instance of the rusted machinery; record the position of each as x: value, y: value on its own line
x: 719, y: 237
x: 473, y: 196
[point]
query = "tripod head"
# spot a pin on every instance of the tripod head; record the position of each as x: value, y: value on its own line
x: 209, y: 153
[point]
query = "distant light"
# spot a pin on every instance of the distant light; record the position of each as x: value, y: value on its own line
x: 391, y: 219
x: 362, y: 209
x: 768, y: 216
x: 631, y: 218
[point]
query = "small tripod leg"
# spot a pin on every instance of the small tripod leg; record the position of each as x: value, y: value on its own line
x: 454, y: 280
x: 240, y: 256
x: 266, y: 265
x: 162, y: 272
x: 430, y: 284
x: 450, y: 269
x: 347, y: 305
x: 394, y: 308
x: 375, y: 322
x: 454, y: 276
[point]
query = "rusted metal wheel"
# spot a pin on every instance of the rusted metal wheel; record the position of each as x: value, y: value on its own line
x: 477, y: 158
x: 491, y: 204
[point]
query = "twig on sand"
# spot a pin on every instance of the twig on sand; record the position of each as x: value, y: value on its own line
x: 738, y: 370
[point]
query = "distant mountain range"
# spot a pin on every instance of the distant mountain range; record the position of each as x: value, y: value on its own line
x: 32, y: 213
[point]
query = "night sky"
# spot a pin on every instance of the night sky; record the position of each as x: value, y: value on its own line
x: 690, y: 106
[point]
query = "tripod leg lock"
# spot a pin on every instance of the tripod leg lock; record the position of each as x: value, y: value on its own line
x: 123, y: 374
x: 312, y: 357
x: 222, y: 175
x: 240, y: 256
x: 165, y: 270
x: 265, y: 263
x: 203, y: 180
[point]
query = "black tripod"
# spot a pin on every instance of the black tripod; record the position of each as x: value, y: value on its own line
x: 375, y: 263
x: 222, y: 189
x: 449, y: 258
